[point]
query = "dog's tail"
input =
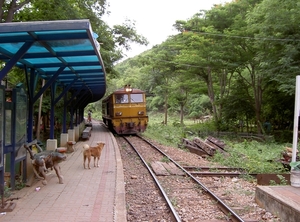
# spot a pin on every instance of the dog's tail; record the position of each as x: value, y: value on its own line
x: 86, y: 147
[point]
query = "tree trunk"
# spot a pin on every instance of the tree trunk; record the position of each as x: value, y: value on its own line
x: 166, y: 109
x: 256, y: 83
x: 1, y: 10
x: 181, y: 113
x: 211, y: 94
x: 12, y: 8
x: 11, y: 11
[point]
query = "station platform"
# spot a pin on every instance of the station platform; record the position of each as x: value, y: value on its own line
x: 96, y: 194
x: 283, y: 201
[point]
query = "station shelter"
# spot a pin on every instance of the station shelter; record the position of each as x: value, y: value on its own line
x: 65, y: 55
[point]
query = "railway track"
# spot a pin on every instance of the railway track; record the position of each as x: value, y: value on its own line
x: 173, y: 180
x: 144, y: 201
x: 204, y: 171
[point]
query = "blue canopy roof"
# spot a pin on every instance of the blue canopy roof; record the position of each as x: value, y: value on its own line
x: 67, y: 47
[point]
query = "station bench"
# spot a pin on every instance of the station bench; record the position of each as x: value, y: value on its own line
x: 86, y: 133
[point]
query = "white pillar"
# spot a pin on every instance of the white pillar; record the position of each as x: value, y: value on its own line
x: 296, y: 119
x: 51, y: 144
x: 71, y: 134
x: 64, y: 139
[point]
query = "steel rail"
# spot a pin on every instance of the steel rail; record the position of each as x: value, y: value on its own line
x: 174, y: 213
x: 200, y: 168
x: 226, y: 209
x: 218, y: 174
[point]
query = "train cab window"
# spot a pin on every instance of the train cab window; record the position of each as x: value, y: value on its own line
x: 121, y: 98
x: 136, y: 98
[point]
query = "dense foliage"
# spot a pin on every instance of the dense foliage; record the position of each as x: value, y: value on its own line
x: 240, y: 57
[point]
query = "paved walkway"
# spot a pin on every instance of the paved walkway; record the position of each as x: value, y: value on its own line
x: 97, y: 194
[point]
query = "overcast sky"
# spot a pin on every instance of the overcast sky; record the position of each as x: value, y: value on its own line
x: 154, y: 18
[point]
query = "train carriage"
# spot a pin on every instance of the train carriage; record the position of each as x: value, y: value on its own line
x: 124, y: 111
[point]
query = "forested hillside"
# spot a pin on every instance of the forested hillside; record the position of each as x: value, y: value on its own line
x: 236, y: 62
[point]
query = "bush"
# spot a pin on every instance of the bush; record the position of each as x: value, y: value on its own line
x: 252, y: 156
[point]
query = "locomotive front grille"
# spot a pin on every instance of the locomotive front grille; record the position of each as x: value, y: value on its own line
x: 130, y: 125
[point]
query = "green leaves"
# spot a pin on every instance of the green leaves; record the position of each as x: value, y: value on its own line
x: 239, y: 55
x: 295, y: 165
x: 126, y: 33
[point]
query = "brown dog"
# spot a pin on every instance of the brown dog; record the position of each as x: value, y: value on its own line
x: 88, y: 152
x: 44, y: 160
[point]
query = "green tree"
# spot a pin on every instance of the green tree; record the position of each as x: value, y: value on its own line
x: 275, y: 26
x: 9, y: 8
x: 239, y: 54
x: 200, y: 57
x: 235, y: 53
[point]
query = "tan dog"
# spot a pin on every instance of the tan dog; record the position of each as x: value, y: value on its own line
x: 88, y: 152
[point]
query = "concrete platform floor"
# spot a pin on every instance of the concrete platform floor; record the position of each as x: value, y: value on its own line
x: 283, y: 201
x: 95, y: 194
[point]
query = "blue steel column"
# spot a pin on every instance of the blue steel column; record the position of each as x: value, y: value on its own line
x: 2, y: 141
x: 71, y: 118
x: 81, y: 111
x: 30, y: 89
x: 77, y: 117
x: 52, y: 118
x: 65, y: 115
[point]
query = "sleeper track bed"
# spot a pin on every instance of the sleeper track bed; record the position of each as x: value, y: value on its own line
x: 145, y: 200
x: 175, y: 181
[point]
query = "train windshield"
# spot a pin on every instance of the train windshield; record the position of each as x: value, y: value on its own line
x: 136, y: 98
x: 121, y: 98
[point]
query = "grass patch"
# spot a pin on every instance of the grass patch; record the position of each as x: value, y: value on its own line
x: 253, y: 156
x: 165, y: 159
x: 165, y: 134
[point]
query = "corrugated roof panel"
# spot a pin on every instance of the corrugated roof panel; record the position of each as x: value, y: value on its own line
x: 57, y: 44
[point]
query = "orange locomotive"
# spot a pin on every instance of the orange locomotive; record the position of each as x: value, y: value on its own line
x: 124, y: 111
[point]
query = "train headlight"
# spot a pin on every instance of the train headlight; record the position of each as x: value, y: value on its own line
x: 140, y: 112
x: 128, y: 88
x: 118, y: 113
